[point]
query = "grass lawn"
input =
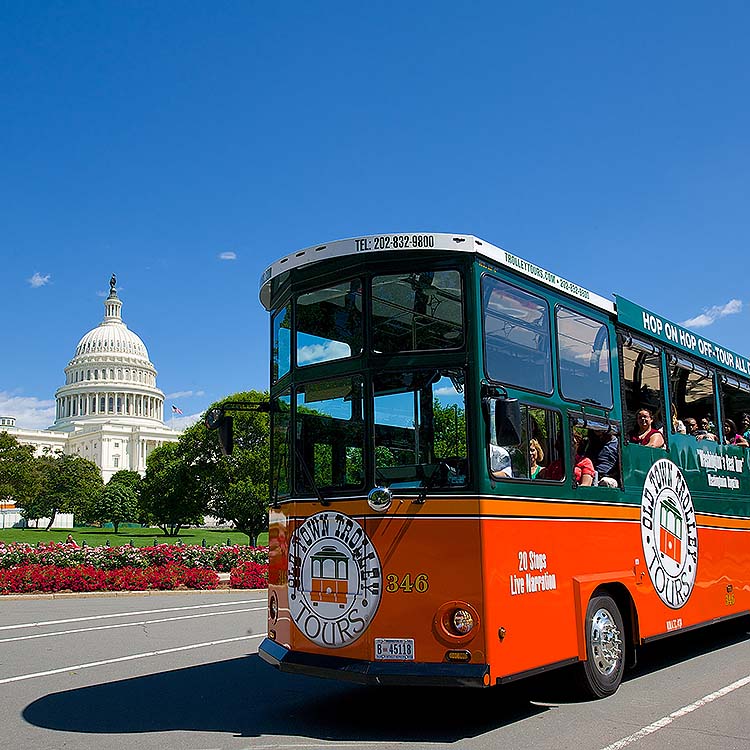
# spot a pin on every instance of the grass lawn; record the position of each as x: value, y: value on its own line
x: 140, y: 537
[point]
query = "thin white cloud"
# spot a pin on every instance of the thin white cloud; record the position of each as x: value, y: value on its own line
x: 710, y: 315
x: 445, y: 391
x: 31, y: 413
x: 182, y: 423
x: 39, y: 279
x: 184, y: 394
x: 228, y: 256
x: 312, y: 353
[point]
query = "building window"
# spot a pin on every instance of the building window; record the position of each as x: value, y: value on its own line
x: 116, y: 461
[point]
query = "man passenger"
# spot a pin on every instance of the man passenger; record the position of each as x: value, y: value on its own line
x: 604, y: 451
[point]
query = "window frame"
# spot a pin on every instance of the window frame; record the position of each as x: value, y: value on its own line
x: 483, y: 334
x: 605, y: 324
x: 315, y: 287
x: 463, y: 272
x: 555, y: 412
x: 298, y: 482
x: 626, y: 338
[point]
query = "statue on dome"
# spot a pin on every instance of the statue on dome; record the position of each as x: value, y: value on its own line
x: 112, y: 283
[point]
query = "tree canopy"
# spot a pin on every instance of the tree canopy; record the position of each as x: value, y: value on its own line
x: 68, y: 484
x: 235, y: 487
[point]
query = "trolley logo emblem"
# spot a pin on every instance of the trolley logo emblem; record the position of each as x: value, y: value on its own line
x: 669, y: 533
x: 335, y: 579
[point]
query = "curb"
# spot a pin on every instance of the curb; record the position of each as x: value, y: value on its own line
x: 112, y: 594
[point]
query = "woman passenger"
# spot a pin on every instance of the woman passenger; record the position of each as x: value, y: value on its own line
x: 745, y: 425
x: 536, y: 456
x: 731, y: 436
x: 645, y: 433
x: 583, y: 468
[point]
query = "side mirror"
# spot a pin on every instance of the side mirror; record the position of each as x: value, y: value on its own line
x: 507, y: 421
x: 226, y: 435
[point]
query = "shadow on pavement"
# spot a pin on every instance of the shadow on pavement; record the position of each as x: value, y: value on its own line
x: 248, y: 698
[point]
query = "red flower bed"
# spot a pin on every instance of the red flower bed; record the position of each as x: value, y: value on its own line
x: 32, y: 578
x: 249, y: 575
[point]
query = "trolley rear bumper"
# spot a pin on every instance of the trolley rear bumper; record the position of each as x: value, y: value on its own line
x: 373, y: 673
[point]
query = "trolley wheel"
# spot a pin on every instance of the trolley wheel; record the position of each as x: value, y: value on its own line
x: 601, y: 672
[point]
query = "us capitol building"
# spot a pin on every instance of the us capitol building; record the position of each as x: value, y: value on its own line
x: 110, y: 410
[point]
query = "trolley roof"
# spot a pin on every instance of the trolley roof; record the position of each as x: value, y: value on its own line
x: 408, y: 242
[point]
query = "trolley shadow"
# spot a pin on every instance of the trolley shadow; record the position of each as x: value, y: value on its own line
x: 245, y: 697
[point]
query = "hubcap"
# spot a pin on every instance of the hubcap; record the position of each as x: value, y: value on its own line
x: 606, y: 642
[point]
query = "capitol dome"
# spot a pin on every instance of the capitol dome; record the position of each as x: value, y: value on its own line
x: 110, y: 377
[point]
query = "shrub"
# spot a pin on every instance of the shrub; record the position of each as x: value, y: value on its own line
x: 249, y: 575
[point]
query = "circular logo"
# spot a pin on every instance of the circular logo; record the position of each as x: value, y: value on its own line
x: 335, y: 579
x: 669, y: 533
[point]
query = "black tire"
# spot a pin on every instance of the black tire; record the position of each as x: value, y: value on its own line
x: 601, y: 672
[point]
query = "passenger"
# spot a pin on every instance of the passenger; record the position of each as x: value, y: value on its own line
x: 604, y: 452
x: 707, y: 429
x: 500, y: 461
x: 536, y: 456
x: 645, y: 433
x: 583, y: 468
x: 677, y: 424
x: 694, y: 431
x: 745, y: 426
x: 731, y: 436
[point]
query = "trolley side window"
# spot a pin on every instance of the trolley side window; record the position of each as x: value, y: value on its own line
x: 583, y: 350
x: 280, y: 445
x: 281, y: 354
x: 642, y: 388
x: 539, y: 448
x: 691, y: 388
x: 516, y: 336
x: 735, y: 402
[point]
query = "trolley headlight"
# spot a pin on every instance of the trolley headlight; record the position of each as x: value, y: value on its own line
x: 462, y: 621
x: 273, y: 607
x: 379, y: 499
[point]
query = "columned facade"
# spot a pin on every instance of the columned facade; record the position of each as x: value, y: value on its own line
x: 109, y: 409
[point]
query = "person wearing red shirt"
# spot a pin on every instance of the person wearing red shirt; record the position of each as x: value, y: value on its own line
x: 583, y: 468
x: 644, y: 432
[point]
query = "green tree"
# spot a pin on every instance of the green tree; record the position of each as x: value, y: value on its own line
x: 171, y: 494
x: 118, y: 501
x: 235, y: 487
x: 20, y: 478
x: 68, y: 484
x: 450, y: 430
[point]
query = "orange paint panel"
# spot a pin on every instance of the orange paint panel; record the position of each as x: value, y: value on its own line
x: 527, y: 577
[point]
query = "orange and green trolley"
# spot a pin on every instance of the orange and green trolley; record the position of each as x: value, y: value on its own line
x: 435, y: 401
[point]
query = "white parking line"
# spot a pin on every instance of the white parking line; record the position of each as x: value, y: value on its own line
x: 132, y: 657
x: 128, y: 624
x: 128, y: 614
x: 667, y: 720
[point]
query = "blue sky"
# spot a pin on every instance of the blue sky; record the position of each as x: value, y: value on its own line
x: 606, y: 142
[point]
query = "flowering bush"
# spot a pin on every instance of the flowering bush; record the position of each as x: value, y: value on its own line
x: 49, y: 578
x: 219, y: 558
x: 249, y: 575
x: 61, y: 567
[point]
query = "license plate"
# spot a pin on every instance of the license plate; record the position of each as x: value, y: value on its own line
x: 394, y: 649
